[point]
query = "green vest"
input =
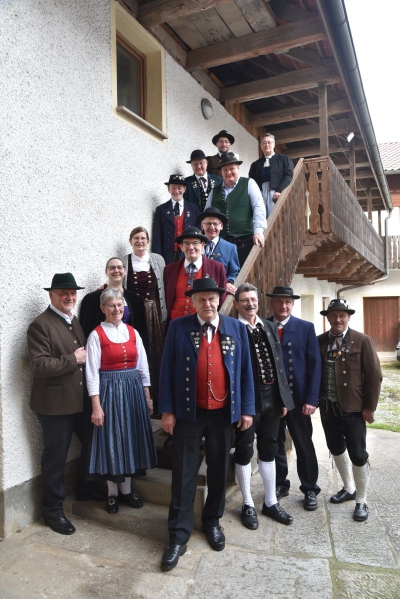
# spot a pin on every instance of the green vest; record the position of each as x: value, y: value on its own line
x: 328, y: 383
x: 237, y: 208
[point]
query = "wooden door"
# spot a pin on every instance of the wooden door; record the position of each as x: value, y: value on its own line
x: 381, y: 321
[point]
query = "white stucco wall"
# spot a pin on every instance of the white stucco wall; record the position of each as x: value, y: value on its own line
x: 74, y: 179
x: 315, y: 290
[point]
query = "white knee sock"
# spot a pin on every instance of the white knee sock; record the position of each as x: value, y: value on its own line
x: 343, y: 464
x: 112, y: 488
x: 268, y: 475
x: 126, y: 486
x: 243, y: 475
x: 361, y: 476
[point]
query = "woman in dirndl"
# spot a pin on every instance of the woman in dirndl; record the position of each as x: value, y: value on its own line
x: 118, y: 381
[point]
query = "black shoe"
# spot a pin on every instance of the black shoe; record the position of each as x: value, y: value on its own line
x: 112, y: 505
x: 215, y: 536
x: 60, y: 524
x: 277, y: 512
x: 171, y: 555
x: 168, y: 442
x: 310, y: 502
x: 360, y: 512
x: 281, y: 491
x: 249, y: 517
x: 342, y: 496
x: 132, y: 499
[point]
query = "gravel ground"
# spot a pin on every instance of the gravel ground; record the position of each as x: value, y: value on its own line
x: 387, y: 415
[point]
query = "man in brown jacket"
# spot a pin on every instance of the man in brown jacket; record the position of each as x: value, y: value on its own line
x: 56, y: 359
x: 350, y: 387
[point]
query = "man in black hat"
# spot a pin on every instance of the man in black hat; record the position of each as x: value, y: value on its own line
x: 207, y: 386
x: 179, y: 276
x: 212, y: 221
x: 56, y: 358
x: 240, y: 199
x: 272, y: 173
x: 302, y: 363
x: 350, y: 387
x: 199, y: 185
x: 223, y: 140
x: 171, y: 218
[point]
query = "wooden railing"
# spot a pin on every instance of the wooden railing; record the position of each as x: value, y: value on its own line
x: 394, y: 251
x: 317, y: 208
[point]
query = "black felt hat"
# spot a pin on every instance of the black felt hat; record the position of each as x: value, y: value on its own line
x: 196, y: 155
x: 64, y: 280
x: 176, y: 180
x: 283, y: 292
x: 211, y: 211
x: 338, y: 305
x: 191, y: 232
x: 223, y: 133
x: 228, y: 158
x: 207, y: 284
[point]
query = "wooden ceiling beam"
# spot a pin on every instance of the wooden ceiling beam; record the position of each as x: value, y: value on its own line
x: 360, y: 175
x: 343, y: 166
x: 313, y: 150
x: 280, y: 38
x: 288, y: 12
x: 284, y: 136
x: 281, y: 84
x: 295, y: 113
x: 160, y: 11
x: 307, y: 57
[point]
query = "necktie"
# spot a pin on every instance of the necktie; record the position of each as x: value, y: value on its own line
x: 280, y: 332
x: 191, y: 269
x: 203, y: 182
x: 335, y: 341
x: 176, y: 209
x: 205, y: 327
x: 209, y: 249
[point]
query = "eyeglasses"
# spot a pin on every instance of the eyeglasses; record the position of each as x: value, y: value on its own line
x: 115, y: 267
x: 195, y: 244
x: 249, y: 300
x: 114, y: 306
x: 212, y: 224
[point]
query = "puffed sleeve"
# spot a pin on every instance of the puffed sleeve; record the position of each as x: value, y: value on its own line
x: 93, y: 362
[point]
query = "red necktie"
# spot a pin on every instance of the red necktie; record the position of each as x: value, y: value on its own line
x: 280, y: 333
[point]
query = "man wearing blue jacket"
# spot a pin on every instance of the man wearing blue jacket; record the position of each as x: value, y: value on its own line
x: 207, y: 386
x: 302, y: 364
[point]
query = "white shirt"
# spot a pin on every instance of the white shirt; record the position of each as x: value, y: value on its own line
x: 246, y: 322
x: 215, y: 322
x: 140, y: 264
x: 198, y: 263
x: 180, y: 204
x: 67, y: 317
x: 118, y: 334
x: 335, y: 344
x: 267, y: 159
x: 205, y: 184
x: 282, y: 322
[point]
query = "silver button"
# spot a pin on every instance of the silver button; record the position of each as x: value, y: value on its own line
x: 344, y: 384
x: 344, y: 372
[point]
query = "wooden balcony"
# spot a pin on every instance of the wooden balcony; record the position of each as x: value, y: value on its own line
x: 394, y: 252
x: 318, y: 229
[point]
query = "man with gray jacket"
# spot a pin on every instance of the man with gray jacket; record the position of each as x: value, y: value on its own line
x: 56, y: 358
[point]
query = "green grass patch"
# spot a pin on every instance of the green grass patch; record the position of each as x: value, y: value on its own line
x: 387, y: 415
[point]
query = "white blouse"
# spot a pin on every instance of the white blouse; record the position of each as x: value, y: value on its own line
x: 118, y: 334
x: 140, y: 264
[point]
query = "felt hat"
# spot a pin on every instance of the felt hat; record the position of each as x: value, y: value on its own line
x: 191, y: 233
x: 196, y: 155
x: 337, y: 304
x: 207, y: 284
x: 223, y: 133
x: 211, y: 211
x: 63, y: 280
x: 228, y: 158
x: 283, y: 292
x: 176, y: 180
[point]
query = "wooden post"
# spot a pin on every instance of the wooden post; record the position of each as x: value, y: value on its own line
x: 352, y: 160
x: 380, y: 223
x: 369, y: 197
x: 323, y: 119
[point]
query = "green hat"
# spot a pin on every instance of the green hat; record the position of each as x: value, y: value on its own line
x: 64, y: 280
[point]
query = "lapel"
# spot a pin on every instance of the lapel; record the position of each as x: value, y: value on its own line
x: 188, y: 208
x: 228, y: 344
x: 168, y: 211
x: 195, y: 335
x: 289, y: 332
x: 194, y: 186
x: 323, y: 343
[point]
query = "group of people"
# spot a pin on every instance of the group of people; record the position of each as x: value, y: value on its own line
x: 152, y: 342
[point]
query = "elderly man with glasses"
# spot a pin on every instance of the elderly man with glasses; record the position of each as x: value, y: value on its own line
x: 272, y: 173
x: 199, y: 185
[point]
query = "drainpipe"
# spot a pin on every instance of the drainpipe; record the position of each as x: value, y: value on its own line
x: 386, y: 275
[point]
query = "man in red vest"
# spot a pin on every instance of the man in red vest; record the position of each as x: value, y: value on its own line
x: 206, y: 386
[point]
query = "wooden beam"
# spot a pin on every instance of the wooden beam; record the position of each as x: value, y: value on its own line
x: 281, y: 84
x: 352, y: 160
x: 360, y: 175
x: 369, y: 199
x: 305, y: 132
x: 257, y: 13
x: 323, y: 128
x: 263, y: 42
x: 313, y: 150
x: 207, y: 83
x: 288, y: 12
x: 171, y: 45
x: 160, y: 11
x: 307, y: 57
x: 295, y: 113
x: 345, y: 165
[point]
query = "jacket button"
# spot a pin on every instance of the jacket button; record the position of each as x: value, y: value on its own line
x: 188, y: 409
x: 344, y: 384
x: 70, y: 328
x: 75, y: 341
x: 81, y: 383
x: 281, y: 371
x: 187, y: 389
x: 344, y: 372
x: 188, y: 359
x: 188, y: 399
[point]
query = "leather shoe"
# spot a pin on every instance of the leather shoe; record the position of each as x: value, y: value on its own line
x: 249, y: 517
x: 342, y: 496
x: 277, y: 512
x: 60, y: 524
x: 281, y: 491
x: 360, y: 512
x: 112, y: 505
x: 132, y: 499
x: 310, y: 502
x: 215, y: 536
x: 171, y: 555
